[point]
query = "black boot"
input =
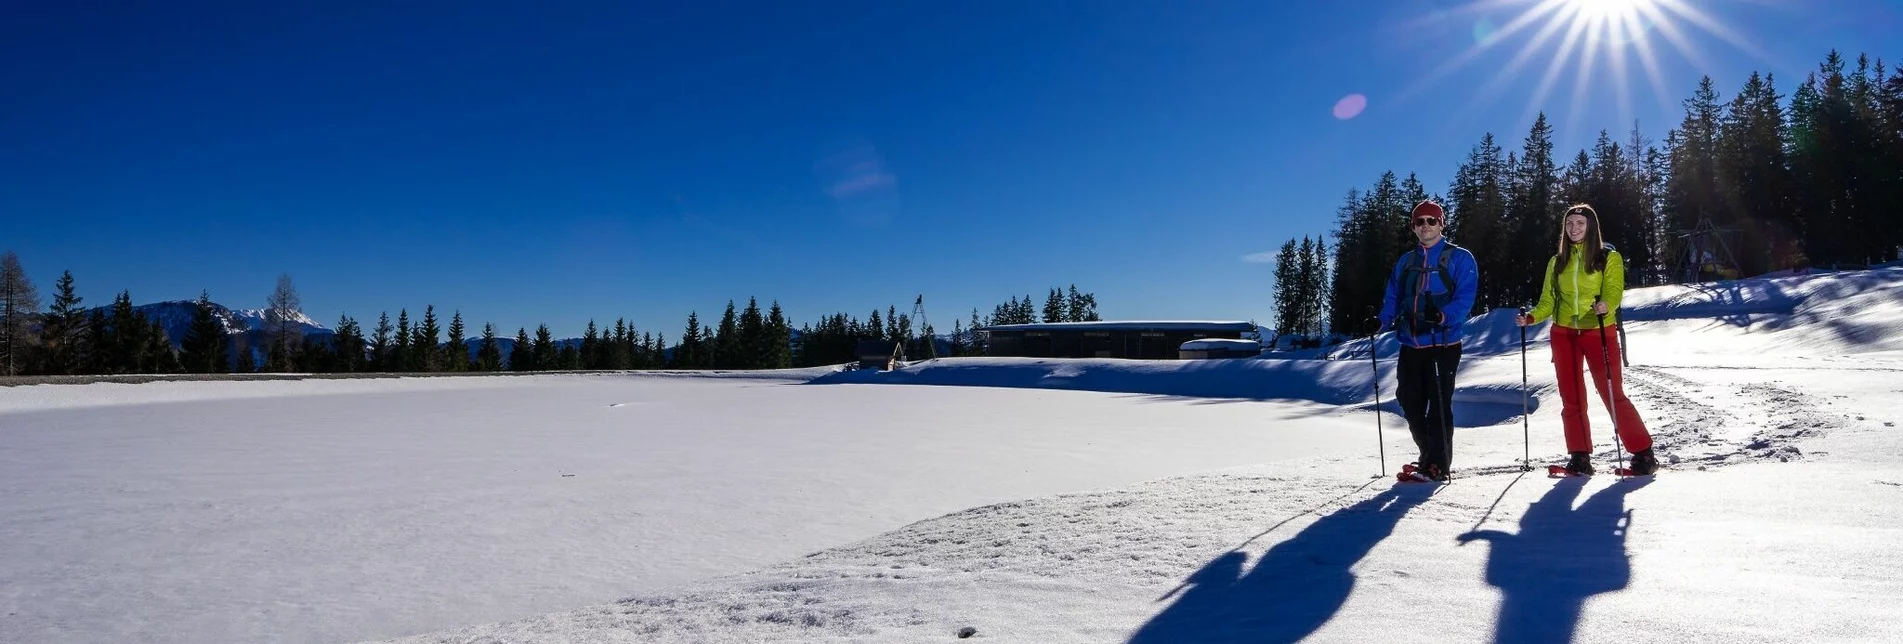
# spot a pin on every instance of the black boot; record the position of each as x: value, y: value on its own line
x: 1643, y: 463
x: 1580, y: 464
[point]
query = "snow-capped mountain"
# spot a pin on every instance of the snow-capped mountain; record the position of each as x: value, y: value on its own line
x: 176, y: 317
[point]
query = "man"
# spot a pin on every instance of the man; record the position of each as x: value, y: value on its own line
x: 1429, y: 296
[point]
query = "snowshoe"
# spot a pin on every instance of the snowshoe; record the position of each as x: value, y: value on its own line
x: 1415, y: 473
x: 1643, y: 464
x: 1579, y: 465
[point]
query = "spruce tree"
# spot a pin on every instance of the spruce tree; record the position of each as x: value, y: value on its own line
x: 1286, y: 292
x: 1055, y: 309
x: 489, y: 355
x: 98, y: 339
x: 522, y: 353
x: 63, y: 337
x: 160, y: 357
x: 381, y: 358
x: 128, y: 330
x: 591, y: 347
x: 1532, y: 215
x: 1753, y: 179
x: 687, y: 356
x: 202, y: 350
x: 456, y: 353
x: 547, y: 355
x: 349, y: 345
x: 726, y: 339
x: 753, y: 337
x: 400, y: 359
x: 426, y: 350
x: 779, y: 339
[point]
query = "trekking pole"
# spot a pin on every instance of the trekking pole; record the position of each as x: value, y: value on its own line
x: 1526, y: 413
x: 1380, y: 441
x: 1445, y: 404
x: 1612, y: 384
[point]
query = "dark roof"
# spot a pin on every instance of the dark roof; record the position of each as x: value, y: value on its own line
x: 1129, y: 325
x: 873, y: 348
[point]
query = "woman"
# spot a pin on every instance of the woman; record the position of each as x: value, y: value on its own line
x: 1583, y: 284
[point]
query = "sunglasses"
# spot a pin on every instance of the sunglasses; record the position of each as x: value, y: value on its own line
x: 1426, y: 221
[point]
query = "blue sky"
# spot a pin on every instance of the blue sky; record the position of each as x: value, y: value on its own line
x: 551, y: 162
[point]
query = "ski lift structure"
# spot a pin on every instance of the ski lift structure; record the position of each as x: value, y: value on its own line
x: 1705, y: 253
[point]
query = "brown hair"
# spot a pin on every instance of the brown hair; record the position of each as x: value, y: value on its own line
x: 1595, y: 245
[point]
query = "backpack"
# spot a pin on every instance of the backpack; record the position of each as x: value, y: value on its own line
x: 1413, y: 268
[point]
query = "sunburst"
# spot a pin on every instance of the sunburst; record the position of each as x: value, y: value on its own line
x: 1586, y: 31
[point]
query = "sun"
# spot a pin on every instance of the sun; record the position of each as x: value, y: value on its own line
x: 1605, y: 9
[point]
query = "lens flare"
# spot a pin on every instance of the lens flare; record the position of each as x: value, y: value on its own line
x: 1350, y: 106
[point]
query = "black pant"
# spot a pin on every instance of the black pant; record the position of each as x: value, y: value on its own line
x: 1429, y: 414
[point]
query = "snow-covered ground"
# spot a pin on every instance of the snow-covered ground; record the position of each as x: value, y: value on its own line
x: 1027, y: 500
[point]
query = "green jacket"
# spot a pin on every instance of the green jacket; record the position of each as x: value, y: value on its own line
x: 1571, y: 307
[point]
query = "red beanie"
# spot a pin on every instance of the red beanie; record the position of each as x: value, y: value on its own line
x: 1427, y: 209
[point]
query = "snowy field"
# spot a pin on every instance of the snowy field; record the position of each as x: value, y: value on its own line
x: 1026, y: 500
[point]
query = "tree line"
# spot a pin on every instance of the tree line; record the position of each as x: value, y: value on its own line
x: 1741, y: 187
x: 71, y: 339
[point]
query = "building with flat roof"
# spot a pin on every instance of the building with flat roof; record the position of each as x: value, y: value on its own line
x: 1143, y: 340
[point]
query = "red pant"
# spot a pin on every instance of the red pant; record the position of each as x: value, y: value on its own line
x: 1570, y: 346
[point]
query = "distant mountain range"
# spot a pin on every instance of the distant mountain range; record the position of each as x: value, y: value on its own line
x: 176, y: 318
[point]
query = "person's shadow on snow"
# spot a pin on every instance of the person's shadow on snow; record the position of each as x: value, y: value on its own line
x: 1560, y: 557
x: 1293, y: 589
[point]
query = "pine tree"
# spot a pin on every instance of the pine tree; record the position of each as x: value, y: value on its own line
x: 687, y: 356
x: 547, y: 355
x: 349, y: 345
x: 975, y: 345
x: 1287, y: 290
x: 19, y: 301
x: 401, y: 360
x: 489, y: 356
x: 1477, y: 217
x: 381, y: 358
x: 159, y: 356
x: 203, y: 347
x: 1311, y: 280
x: 753, y: 338
x: 522, y: 354
x: 1055, y: 309
x: 127, y: 338
x: 1532, y: 215
x: 1692, y: 194
x: 779, y: 349
x: 1757, y: 196
x: 426, y: 350
x: 1345, y: 314
x: 102, y: 340
x: 456, y: 354
x: 591, y: 347
x: 63, y: 338
x: 727, y: 339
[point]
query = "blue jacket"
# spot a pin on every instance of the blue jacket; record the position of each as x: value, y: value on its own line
x: 1418, y: 305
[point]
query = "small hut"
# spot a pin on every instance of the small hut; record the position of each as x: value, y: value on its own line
x: 1218, y: 348
x: 884, y: 355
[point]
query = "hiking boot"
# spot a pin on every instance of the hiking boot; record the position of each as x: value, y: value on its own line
x: 1580, y: 464
x: 1643, y: 463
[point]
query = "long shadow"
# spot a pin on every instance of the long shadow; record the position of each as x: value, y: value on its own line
x: 1293, y: 589
x: 1561, y: 557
